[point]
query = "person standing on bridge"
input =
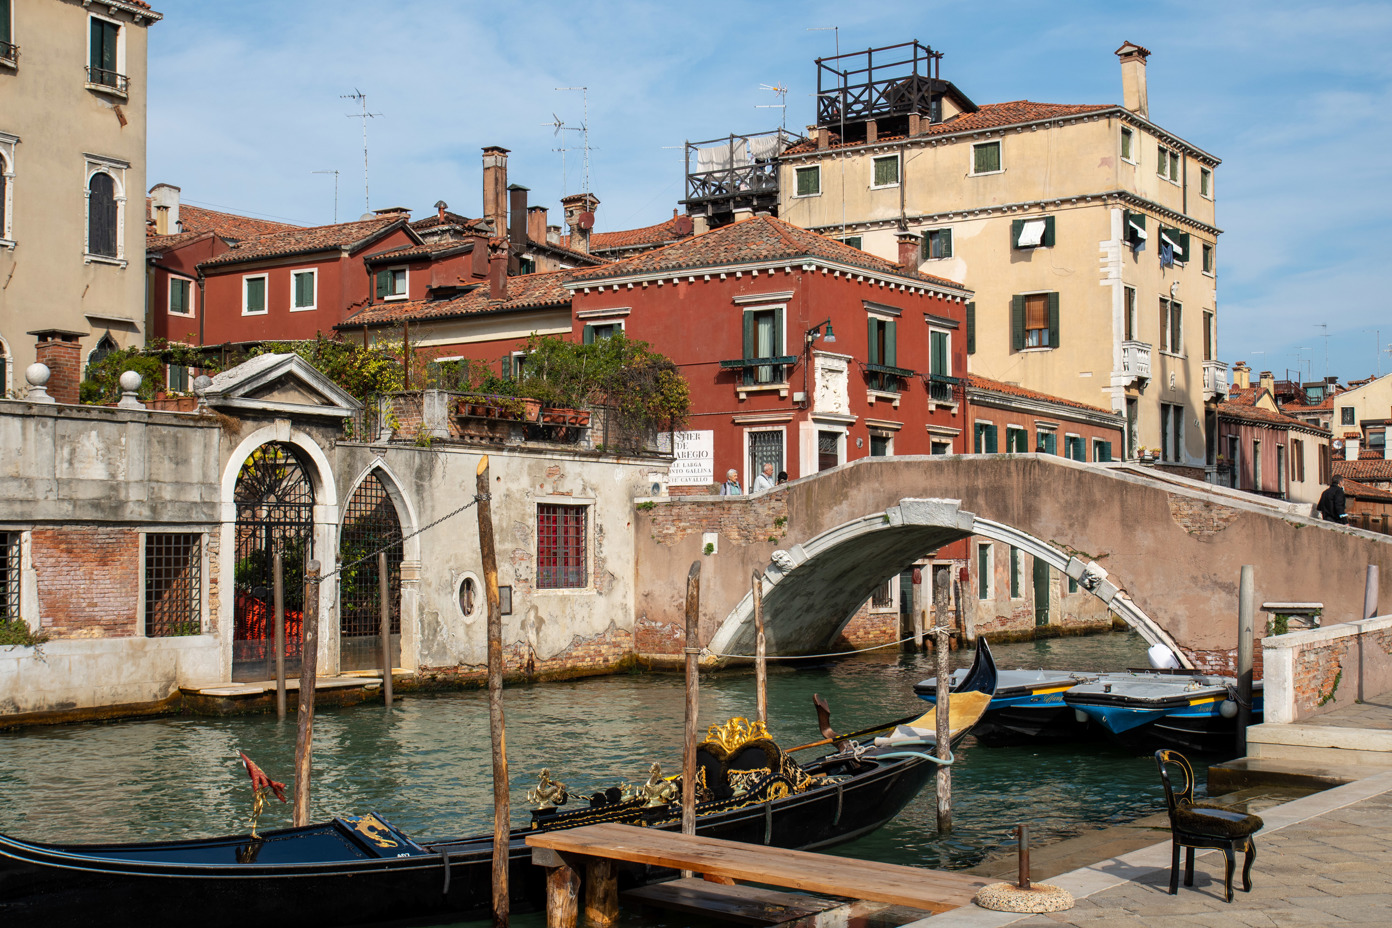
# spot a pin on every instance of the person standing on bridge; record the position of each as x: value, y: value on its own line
x: 1331, y: 502
x: 731, y: 486
x: 764, y: 481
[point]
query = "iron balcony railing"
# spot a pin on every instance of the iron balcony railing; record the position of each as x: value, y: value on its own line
x: 1135, y: 359
x: 941, y: 388
x: 1215, y: 379
x: 759, y: 371
x: 886, y: 379
x: 101, y: 77
x: 9, y: 52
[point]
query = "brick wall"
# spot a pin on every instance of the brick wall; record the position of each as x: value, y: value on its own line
x: 1224, y: 662
x: 64, y: 360
x: 602, y: 653
x: 88, y: 581
x: 1200, y: 517
x: 745, y: 521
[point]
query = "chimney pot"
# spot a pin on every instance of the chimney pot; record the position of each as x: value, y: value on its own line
x: 1133, y: 77
x: 577, y: 207
x: 742, y: 213
x: 498, y: 269
x: 908, y: 251
x: 60, y: 351
x: 164, y: 200
x: 495, y: 188
x: 517, y: 207
x: 536, y: 223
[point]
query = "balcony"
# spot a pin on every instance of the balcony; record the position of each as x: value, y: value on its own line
x: 1135, y: 360
x: 941, y: 388
x: 1215, y: 380
x: 9, y: 54
x: 109, y: 82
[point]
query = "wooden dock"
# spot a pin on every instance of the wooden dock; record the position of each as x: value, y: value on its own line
x: 593, y: 849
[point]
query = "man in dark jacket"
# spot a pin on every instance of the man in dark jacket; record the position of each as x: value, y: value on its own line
x: 1331, y: 502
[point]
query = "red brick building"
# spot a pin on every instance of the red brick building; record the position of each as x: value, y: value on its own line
x: 1009, y: 418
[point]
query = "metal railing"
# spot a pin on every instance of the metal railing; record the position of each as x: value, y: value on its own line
x: 9, y: 52
x: 735, y: 165
x: 941, y: 391
x: 1135, y: 359
x: 100, y: 77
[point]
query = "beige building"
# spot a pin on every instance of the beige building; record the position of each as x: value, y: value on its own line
x: 72, y: 157
x: 1064, y: 220
x: 1362, y: 416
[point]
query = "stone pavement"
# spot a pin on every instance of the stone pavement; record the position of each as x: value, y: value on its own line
x: 1373, y: 714
x: 1323, y: 860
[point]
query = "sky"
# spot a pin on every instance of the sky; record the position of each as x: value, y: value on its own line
x: 247, y: 103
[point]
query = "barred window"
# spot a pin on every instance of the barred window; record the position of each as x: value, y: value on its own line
x: 9, y: 576
x: 561, y: 547
x: 173, y: 584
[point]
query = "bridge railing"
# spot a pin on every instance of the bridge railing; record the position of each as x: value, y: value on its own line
x: 1309, y: 673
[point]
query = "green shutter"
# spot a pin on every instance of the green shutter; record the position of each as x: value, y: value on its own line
x: 891, y: 358
x: 1017, y: 323
x: 778, y: 332
x: 1015, y: 226
x: 588, y: 336
x: 178, y: 292
x: 937, y: 363
x: 980, y: 436
x: 990, y: 439
x: 383, y: 283
x: 1053, y: 320
x: 1048, y: 232
x: 872, y: 353
x: 1103, y: 452
x: 1184, y: 244
x: 1161, y: 161
x: 751, y: 345
x: 946, y: 243
x: 5, y: 22
x: 507, y: 367
x: 971, y: 328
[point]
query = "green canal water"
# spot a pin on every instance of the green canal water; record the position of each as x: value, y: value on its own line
x: 425, y: 765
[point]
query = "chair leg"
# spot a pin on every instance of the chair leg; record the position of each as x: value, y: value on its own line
x: 1247, y: 866
x: 1229, y: 863
x: 1188, y: 866
x: 1174, y: 868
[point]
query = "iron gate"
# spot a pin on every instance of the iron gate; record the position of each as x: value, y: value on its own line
x: 371, y: 522
x: 275, y: 511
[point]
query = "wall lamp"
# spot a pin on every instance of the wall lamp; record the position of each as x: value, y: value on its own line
x: 816, y: 332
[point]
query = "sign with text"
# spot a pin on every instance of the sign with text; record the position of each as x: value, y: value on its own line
x: 694, y: 459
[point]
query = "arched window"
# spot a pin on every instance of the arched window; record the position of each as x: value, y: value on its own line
x: 101, y: 216
x: 104, y: 348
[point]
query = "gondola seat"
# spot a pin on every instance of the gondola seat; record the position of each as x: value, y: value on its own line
x: 717, y: 762
x: 1204, y: 824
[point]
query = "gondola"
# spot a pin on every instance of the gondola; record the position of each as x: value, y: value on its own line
x: 1194, y: 712
x: 362, y: 870
x: 1028, y: 707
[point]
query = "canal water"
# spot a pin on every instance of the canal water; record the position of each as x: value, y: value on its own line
x: 425, y: 766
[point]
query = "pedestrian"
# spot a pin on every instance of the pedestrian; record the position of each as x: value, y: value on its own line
x: 782, y: 477
x: 731, y: 486
x: 765, y: 479
x: 1331, y: 502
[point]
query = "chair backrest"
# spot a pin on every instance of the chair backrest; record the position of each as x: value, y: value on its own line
x: 1183, y: 796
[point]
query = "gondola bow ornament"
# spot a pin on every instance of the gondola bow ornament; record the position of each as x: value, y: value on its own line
x: 260, y: 786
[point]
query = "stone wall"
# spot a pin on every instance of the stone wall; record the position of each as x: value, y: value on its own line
x: 1312, y: 672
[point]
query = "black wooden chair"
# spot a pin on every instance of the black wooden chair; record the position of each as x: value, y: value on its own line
x: 1205, y: 824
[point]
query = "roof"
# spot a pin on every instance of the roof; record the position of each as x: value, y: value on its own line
x: 436, y: 249
x: 1364, y: 470
x: 228, y: 225
x: 434, y: 219
x: 158, y: 244
x: 566, y: 253
x: 350, y: 235
x: 987, y: 116
x: 977, y: 382
x: 1249, y: 413
x: 528, y: 291
x: 1363, y: 491
x: 757, y: 240
x: 678, y: 227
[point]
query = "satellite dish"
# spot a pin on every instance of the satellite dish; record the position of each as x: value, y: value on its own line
x: 683, y: 225
x: 1337, y: 444
x: 585, y: 220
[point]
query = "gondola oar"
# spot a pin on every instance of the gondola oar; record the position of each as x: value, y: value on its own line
x: 863, y: 731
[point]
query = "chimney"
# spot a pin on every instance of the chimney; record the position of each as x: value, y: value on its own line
x: 553, y: 235
x: 1241, y: 375
x: 497, y: 269
x: 517, y: 210
x: 1352, y: 441
x: 440, y: 207
x: 61, y: 351
x: 908, y: 251
x: 743, y: 212
x: 1267, y: 382
x: 1133, y: 88
x: 495, y: 188
x: 392, y: 212
x: 579, y: 215
x: 164, y: 200
x: 536, y: 223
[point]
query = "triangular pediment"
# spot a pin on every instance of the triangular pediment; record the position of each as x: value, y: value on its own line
x: 280, y: 384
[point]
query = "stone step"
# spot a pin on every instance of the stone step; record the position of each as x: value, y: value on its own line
x: 1320, y: 745
x: 1246, y: 773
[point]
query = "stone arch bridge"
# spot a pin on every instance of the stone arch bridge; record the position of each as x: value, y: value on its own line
x: 1164, y: 553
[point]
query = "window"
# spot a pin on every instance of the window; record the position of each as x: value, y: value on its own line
x: 939, y: 353
x: 985, y: 438
x: 765, y: 447
x: 1046, y: 441
x: 1167, y: 163
x: 1205, y: 183
x: 983, y: 571
x: 828, y: 449
x: 1346, y: 414
x: 391, y: 283
x: 1016, y: 439
x: 1297, y: 461
x: 1133, y: 232
x: 1014, y: 572
x: 1171, y: 326
x: 9, y: 577
x: 809, y: 181
x: 561, y: 547
x: 7, y: 47
x: 1072, y: 585
x: 852, y: 240
x: 513, y: 364
x: 176, y: 378
x: 104, y: 66
x: 1128, y: 312
x: 1101, y: 451
x: 1208, y: 336
x: 173, y: 584
x: 1207, y: 258
x: 180, y: 296
x: 971, y: 327
x: 1171, y: 432
x: 1073, y: 448
x: 881, y: 445
x: 1377, y: 442
x: 986, y: 158
x: 1177, y: 244
x: 593, y: 332
x: 882, y: 355
x: 103, y: 232
x: 6, y: 178
x: 1234, y: 460
x: 763, y: 338
x: 303, y: 289
x: 105, y: 346
x: 886, y: 171
x: 937, y: 243
x: 883, y: 597
x: 1035, y: 321
x: 1256, y: 465
x: 1127, y: 144
x: 939, y: 446
x: 1032, y: 233
x: 254, y: 295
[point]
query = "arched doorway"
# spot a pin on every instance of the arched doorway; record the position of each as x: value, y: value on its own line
x: 370, y: 523
x: 275, y: 511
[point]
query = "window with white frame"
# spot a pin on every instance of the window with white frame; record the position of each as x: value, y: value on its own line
x: 391, y: 283
x: 1128, y: 312
x: 254, y: 295
x: 1032, y: 233
x: 764, y: 339
x: 106, y: 63
x: 1016, y: 439
x: 937, y: 243
x: 1346, y: 414
x: 1171, y: 326
x: 1101, y: 450
x: 1017, y: 567
x: 1171, y: 431
x: 106, y: 210
x: 1128, y: 144
x: 304, y: 290
x: 1207, y: 258
x: 595, y: 331
x: 809, y: 181
x: 7, y: 174
x: 180, y: 296
x: 882, y: 600
x: 1045, y: 441
x: 1206, y: 183
x: 562, y: 561
x: 1167, y: 163
x: 1073, y: 448
x: 884, y: 171
x: 986, y: 158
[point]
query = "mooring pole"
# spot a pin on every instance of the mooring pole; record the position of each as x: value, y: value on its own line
x: 1246, y: 641
x: 278, y: 572
x: 693, y: 698
x: 943, y: 713
x: 915, y: 629
x: 1022, y: 850
x: 760, y: 652
x: 502, y: 810
x: 1370, y: 593
x: 382, y: 596
x: 309, y: 660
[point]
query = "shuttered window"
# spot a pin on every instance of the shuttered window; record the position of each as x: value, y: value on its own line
x: 1034, y: 321
x: 253, y: 295
x: 763, y: 338
x: 983, y: 571
x: 1032, y: 233
x: 809, y: 181
x: 886, y: 170
x: 1127, y: 137
x: 6, y: 37
x: 1046, y: 442
x: 180, y: 291
x: 1101, y: 451
x: 939, y: 361
x: 1073, y: 448
x: 986, y: 158
x: 1014, y: 572
x: 391, y: 283
x: 302, y: 285
x: 105, y: 36
x: 985, y: 438
x: 971, y: 328
x: 937, y: 243
x: 1016, y: 440
x: 101, y: 216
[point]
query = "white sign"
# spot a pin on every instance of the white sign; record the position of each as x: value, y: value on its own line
x: 694, y: 463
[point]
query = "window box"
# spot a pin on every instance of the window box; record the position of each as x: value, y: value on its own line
x: 514, y: 408
x: 557, y: 415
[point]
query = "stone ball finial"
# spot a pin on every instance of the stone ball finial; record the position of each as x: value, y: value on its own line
x: 201, y: 383
x: 37, y: 374
x: 130, y: 388
x: 130, y: 381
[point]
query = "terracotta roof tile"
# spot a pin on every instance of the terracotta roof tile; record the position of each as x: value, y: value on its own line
x: 567, y: 252
x: 1379, y: 470
x: 228, y: 225
x: 529, y: 291
x: 977, y: 382
x: 350, y: 235
x: 422, y: 251
x: 434, y: 220
x: 1249, y: 413
x: 158, y: 244
x: 1366, y: 492
x: 678, y: 227
x: 760, y: 239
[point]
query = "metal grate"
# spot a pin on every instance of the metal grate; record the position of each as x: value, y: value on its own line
x: 560, y: 547
x: 371, y: 522
x: 883, y: 597
x: 764, y: 448
x: 9, y: 576
x: 173, y: 584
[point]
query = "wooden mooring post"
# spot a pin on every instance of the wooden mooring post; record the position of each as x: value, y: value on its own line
x: 693, y: 699
x: 502, y: 809
x: 944, y: 730
x: 1246, y: 644
x: 383, y: 597
x: 760, y: 652
x: 278, y: 580
x: 309, y: 664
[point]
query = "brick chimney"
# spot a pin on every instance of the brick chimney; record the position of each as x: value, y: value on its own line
x: 495, y: 188
x: 61, y: 351
x: 1133, y: 86
x: 577, y: 207
x: 908, y: 251
x: 517, y: 212
x: 497, y: 269
x: 164, y: 202
x: 742, y: 213
x: 440, y: 207
x: 536, y: 223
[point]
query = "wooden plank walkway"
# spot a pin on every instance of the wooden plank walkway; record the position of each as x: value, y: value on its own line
x: 930, y: 890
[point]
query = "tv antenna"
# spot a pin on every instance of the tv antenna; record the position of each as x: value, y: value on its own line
x: 335, y: 174
x: 584, y: 130
x: 782, y: 104
x: 361, y: 99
